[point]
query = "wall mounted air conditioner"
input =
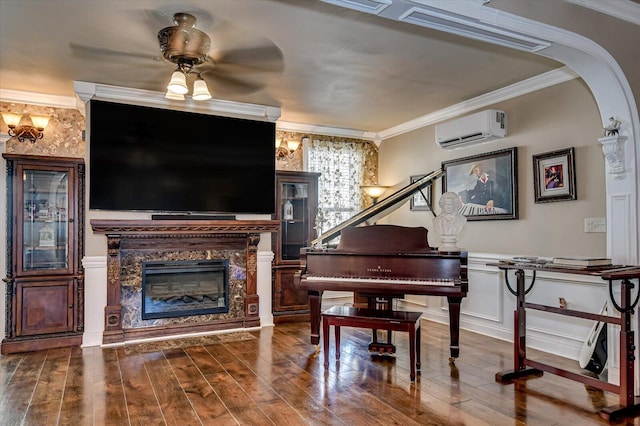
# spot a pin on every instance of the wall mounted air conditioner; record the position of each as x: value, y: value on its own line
x: 475, y: 128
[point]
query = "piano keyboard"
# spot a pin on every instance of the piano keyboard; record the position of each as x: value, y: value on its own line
x: 387, y: 280
x: 471, y: 209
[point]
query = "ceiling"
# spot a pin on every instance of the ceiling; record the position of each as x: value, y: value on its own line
x: 322, y: 64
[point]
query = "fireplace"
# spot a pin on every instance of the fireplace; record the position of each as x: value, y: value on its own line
x: 130, y: 243
x: 184, y: 288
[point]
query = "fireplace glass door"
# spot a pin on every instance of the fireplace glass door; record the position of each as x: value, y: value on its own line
x: 184, y: 288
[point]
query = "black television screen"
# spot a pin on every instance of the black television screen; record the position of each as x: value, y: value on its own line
x: 159, y: 160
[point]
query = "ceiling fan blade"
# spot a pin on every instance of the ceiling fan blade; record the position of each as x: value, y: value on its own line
x: 267, y: 58
x: 84, y: 50
x: 226, y: 84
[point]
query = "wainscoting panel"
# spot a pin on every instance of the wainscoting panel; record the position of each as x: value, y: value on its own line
x: 489, y: 306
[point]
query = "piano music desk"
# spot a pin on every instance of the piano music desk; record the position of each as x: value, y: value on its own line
x: 377, y: 319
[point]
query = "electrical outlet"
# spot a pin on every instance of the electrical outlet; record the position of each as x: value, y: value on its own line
x: 595, y: 224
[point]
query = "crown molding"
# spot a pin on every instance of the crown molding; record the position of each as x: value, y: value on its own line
x: 32, y: 98
x: 288, y: 126
x: 87, y: 91
x: 521, y: 88
x: 539, y: 82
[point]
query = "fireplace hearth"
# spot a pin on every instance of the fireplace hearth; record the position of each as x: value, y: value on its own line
x: 184, y: 288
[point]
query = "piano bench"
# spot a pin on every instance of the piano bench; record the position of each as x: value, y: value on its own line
x: 347, y: 316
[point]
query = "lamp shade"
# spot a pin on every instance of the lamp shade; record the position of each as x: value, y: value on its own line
x: 292, y: 145
x: 40, y: 122
x: 374, y: 191
x: 174, y: 96
x: 200, y: 90
x: 178, y: 83
x: 11, y: 118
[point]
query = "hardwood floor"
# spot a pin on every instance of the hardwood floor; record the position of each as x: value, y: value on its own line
x: 277, y: 378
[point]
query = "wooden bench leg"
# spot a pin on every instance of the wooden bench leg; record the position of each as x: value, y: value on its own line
x: 412, y: 352
x: 337, y: 331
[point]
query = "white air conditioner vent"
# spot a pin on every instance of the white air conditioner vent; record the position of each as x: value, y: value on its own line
x: 475, y: 128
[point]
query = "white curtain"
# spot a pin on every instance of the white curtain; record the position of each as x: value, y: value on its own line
x: 341, y: 165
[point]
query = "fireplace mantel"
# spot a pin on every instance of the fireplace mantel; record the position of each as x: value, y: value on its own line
x: 178, y: 234
x: 170, y: 227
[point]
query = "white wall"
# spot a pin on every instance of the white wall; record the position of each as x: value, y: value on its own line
x: 557, y: 117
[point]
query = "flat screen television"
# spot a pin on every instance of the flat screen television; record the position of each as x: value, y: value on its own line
x: 159, y: 160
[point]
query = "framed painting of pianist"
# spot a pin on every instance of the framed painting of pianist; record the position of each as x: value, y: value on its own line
x: 486, y: 184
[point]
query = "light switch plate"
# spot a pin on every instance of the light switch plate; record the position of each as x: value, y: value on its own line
x: 595, y: 224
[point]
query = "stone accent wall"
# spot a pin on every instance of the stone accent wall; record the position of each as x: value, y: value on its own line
x: 131, y: 285
x: 62, y: 137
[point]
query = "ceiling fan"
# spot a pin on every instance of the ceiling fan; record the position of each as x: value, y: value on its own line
x: 229, y: 59
x: 189, y: 49
x: 186, y: 46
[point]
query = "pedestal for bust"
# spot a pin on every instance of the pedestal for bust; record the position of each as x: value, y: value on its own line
x: 449, y: 243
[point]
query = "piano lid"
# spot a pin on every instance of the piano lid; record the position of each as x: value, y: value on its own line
x: 382, y: 207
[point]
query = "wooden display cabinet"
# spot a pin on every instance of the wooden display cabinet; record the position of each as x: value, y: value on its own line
x: 45, y: 244
x: 296, y: 209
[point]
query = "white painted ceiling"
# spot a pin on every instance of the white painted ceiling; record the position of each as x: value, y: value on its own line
x: 335, y: 66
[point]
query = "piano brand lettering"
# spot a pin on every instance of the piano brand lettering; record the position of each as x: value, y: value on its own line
x: 379, y: 269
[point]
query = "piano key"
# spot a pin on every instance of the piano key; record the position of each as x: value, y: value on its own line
x: 389, y: 280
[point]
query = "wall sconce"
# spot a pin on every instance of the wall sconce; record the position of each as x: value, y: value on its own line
x: 25, y: 132
x: 374, y: 191
x: 286, y: 148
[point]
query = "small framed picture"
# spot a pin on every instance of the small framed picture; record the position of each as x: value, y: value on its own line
x: 554, y: 176
x: 421, y: 200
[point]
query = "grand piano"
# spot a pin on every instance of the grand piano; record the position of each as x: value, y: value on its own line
x: 383, y: 262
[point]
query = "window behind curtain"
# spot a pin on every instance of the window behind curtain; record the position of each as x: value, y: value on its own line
x: 341, y: 165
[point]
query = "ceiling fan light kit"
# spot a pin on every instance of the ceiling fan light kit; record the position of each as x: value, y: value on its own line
x: 173, y: 96
x: 185, y: 46
x: 178, y: 83
x: 200, y: 90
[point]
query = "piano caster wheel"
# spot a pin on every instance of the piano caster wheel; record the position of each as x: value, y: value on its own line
x: 452, y: 360
x: 317, y: 349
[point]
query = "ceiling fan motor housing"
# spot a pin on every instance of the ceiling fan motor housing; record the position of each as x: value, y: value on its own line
x: 183, y: 43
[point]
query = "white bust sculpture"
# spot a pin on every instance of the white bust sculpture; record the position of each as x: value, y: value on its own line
x: 450, y: 222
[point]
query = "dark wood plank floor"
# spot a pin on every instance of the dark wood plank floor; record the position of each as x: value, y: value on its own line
x: 278, y: 379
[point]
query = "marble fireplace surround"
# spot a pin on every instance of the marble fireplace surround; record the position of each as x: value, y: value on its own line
x: 139, y: 239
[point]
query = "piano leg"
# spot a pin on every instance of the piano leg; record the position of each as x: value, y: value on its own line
x: 454, y: 326
x: 375, y: 302
x: 315, y: 302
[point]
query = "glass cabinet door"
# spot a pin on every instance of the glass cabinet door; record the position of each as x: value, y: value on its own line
x: 294, y: 217
x: 44, y: 217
